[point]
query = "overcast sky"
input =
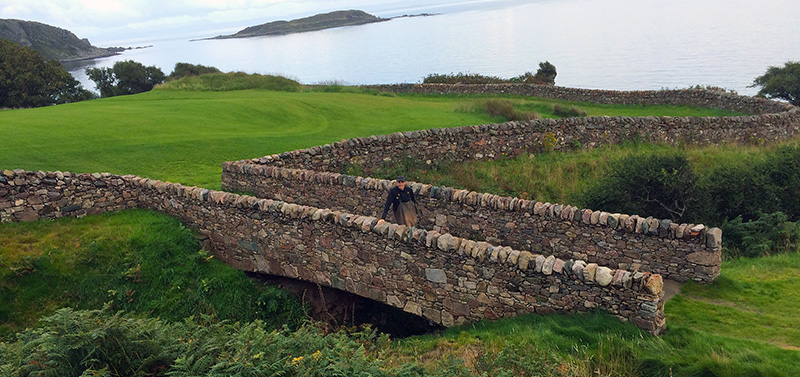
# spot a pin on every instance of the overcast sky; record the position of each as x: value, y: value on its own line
x: 104, y: 21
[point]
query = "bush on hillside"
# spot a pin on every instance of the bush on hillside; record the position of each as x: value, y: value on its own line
x: 546, y: 72
x: 568, y: 112
x: 28, y: 80
x: 220, y: 82
x: 461, y: 78
x: 750, y: 190
x: 545, y: 75
x: 661, y: 185
x: 505, y: 109
x: 768, y: 234
x: 125, y: 77
x: 185, y: 69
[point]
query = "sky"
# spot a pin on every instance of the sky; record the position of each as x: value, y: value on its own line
x: 106, y: 21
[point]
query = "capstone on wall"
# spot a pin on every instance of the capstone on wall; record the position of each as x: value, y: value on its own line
x: 447, y: 279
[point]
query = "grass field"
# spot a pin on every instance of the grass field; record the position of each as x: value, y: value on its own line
x: 184, y: 136
x: 744, y: 324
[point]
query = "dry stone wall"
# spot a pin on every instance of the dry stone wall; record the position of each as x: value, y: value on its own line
x: 676, y: 251
x: 691, y: 97
x: 447, y: 279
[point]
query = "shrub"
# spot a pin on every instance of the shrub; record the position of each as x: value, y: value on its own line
x: 661, y: 185
x: 186, y: 69
x: 568, y: 112
x: 546, y: 72
x: 462, y: 78
x: 220, y: 82
x: 505, y: 108
x: 768, y: 234
x: 527, y: 78
x: 92, y: 343
x: 737, y: 192
x: 545, y: 75
x: 749, y: 190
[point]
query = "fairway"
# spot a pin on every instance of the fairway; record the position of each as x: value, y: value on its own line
x: 184, y: 136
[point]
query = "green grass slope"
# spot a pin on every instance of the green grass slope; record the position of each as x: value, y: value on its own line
x: 184, y: 136
x: 136, y: 261
x: 742, y: 325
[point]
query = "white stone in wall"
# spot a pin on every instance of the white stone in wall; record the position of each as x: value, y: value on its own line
x: 603, y: 276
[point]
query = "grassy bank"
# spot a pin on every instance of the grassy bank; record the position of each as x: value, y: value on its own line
x: 561, y: 177
x: 741, y: 325
x: 185, y: 135
x: 147, y: 264
x: 136, y: 261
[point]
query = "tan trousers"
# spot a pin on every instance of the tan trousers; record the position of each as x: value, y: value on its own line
x: 406, y: 214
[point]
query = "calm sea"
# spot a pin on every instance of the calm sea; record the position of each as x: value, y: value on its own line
x: 605, y: 44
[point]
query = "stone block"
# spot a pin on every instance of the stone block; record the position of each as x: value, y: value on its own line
x: 705, y: 259
x: 435, y: 275
x: 558, y: 266
x: 413, y: 308
x: 603, y: 276
x: 547, y: 266
x: 539, y: 260
x: 654, y: 284
x: 525, y: 258
x: 589, y: 272
x: 714, y: 238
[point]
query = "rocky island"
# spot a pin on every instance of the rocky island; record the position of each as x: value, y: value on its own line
x: 317, y: 22
x: 52, y: 42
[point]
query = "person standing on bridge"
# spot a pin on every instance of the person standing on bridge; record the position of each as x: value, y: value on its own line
x: 404, y: 206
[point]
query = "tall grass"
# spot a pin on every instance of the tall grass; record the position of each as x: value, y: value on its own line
x: 216, y: 82
x: 561, y: 177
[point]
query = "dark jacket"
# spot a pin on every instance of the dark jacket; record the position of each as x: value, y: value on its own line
x: 396, y: 196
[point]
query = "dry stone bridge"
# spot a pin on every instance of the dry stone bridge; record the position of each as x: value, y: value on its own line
x: 474, y: 255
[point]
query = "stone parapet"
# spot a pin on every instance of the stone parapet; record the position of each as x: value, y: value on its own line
x: 616, y: 240
x: 447, y: 279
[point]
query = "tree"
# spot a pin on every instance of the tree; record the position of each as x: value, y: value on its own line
x: 783, y: 83
x: 28, y: 80
x: 125, y: 77
x: 546, y: 73
x: 186, y: 69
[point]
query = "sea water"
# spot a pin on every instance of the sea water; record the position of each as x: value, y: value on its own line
x: 605, y: 44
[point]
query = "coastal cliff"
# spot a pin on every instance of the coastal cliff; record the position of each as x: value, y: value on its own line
x: 52, y: 42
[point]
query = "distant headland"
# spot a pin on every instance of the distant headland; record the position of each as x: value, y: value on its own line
x: 52, y: 42
x: 316, y: 22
